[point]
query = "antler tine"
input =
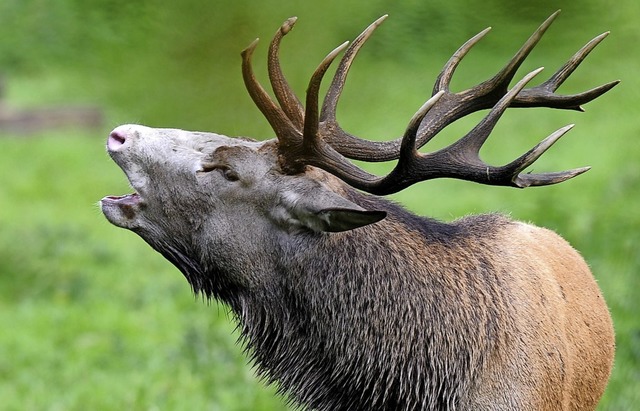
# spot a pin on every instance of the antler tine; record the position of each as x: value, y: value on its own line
x: 534, y: 180
x: 408, y: 147
x: 541, y: 97
x: 524, y: 161
x: 351, y: 146
x: 295, y: 155
x: 339, y: 78
x: 444, y: 78
x: 283, y: 127
x: 473, y: 141
x: 504, y: 76
x: 544, y: 94
x: 289, y: 102
x: 569, y: 67
x: 311, y: 122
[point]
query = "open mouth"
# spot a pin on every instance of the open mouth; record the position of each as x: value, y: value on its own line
x: 128, y: 199
x: 122, y: 210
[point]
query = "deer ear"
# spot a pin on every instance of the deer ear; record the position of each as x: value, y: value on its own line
x: 326, y: 211
x: 342, y: 219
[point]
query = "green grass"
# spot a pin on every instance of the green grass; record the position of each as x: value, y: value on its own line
x: 92, y: 318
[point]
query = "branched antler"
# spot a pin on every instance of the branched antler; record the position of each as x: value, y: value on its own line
x: 307, y: 136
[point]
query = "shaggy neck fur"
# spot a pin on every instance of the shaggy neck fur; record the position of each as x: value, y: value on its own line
x: 380, y: 331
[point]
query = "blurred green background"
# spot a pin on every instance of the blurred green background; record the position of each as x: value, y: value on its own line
x: 92, y: 318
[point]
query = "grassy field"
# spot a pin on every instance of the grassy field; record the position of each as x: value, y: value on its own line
x: 92, y: 319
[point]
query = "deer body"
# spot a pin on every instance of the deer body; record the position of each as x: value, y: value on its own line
x: 349, y: 301
x: 414, y: 314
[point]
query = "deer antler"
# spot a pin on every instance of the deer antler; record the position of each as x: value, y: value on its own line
x: 307, y: 137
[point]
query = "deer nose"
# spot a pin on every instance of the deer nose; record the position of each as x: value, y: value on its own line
x: 116, y: 139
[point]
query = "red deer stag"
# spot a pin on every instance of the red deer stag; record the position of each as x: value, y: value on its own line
x: 347, y: 300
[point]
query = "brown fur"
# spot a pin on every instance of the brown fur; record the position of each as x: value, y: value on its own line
x: 558, y: 345
x: 564, y: 301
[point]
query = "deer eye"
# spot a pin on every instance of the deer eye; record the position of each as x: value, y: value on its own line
x: 229, y: 174
x: 226, y: 172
